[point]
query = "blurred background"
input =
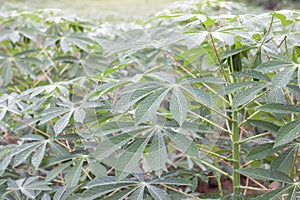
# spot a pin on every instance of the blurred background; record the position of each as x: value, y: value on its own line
x: 124, y: 10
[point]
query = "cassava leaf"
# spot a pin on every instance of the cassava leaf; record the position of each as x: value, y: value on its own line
x: 247, y: 95
x: 265, y: 174
x: 287, y: 133
x: 147, y: 109
x: 279, y: 108
x: 178, y: 106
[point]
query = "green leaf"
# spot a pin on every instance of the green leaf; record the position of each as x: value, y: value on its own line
x: 74, y: 174
x: 282, y: 17
x: 24, y: 154
x: 96, y: 168
x: 279, y: 108
x: 200, y: 95
x: 120, y: 195
x: 7, y: 72
x: 185, y: 144
x: 98, y: 191
x: 128, y: 160
x: 265, y: 125
x: 157, y: 155
x: 274, y: 194
x: 283, y: 77
x: 51, y: 113
x: 265, y: 174
x: 284, y: 161
x: 23, y: 66
x: 252, y: 74
x: 55, y: 171
x: 138, y: 194
x: 38, y: 155
x: 110, y: 145
x: 243, y: 97
x: 157, y: 193
x: 171, y: 181
x: 287, y: 133
x: 79, y: 115
x: 237, y: 86
x: 61, y: 124
x: 178, y: 106
x: 147, y: 109
x: 293, y: 193
x: 273, y: 65
x: 262, y: 151
x: 230, y: 53
x: 107, y: 180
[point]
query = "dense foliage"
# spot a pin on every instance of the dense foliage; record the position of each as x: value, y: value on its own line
x: 150, y: 110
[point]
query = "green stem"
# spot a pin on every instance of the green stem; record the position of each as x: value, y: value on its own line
x: 201, y: 148
x: 254, y: 137
x: 235, y: 152
x: 218, y: 177
x: 262, y: 43
x: 213, y: 167
x: 218, y: 58
x: 208, y: 121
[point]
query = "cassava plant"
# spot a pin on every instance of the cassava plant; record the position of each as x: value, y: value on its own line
x: 157, y: 109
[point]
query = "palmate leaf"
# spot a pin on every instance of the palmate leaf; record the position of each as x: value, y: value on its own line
x: 38, y: 156
x: 287, y: 133
x: 273, y: 65
x: 157, y: 193
x: 185, y: 144
x: 52, y: 113
x: 293, y: 193
x: 24, y: 152
x: 280, y: 108
x: 98, y: 191
x: 147, y: 108
x: 96, y: 168
x: 171, y: 181
x: 55, y: 171
x: 265, y: 174
x: 265, y: 125
x: 284, y: 161
x: 234, y: 87
x: 275, y: 194
x: 138, y: 194
x: 120, y: 195
x: 64, y: 193
x: 243, y: 97
x: 282, y: 78
x: 104, y: 185
x: 157, y: 155
x: 252, y: 74
x: 134, y: 93
x: 129, y: 159
x: 230, y: 53
x: 29, y: 187
x: 178, y: 106
x: 200, y: 95
x: 7, y: 72
x: 110, y: 145
x: 262, y: 151
x: 73, y: 175
x: 61, y: 124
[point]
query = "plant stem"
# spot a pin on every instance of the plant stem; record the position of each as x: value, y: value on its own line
x: 218, y: 58
x: 210, y: 122
x: 262, y: 43
x: 235, y: 152
x: 254, y: 137
x: 218, y: 177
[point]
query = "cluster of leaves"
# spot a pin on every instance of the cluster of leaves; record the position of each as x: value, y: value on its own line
x: 144, y: 111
